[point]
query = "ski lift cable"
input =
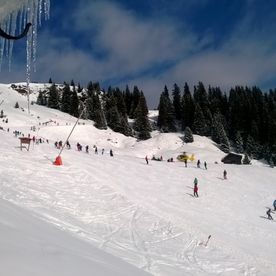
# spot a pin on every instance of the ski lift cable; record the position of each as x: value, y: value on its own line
x: 73, y: 128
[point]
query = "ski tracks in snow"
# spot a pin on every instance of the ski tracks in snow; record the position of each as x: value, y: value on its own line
x: 84, y: 206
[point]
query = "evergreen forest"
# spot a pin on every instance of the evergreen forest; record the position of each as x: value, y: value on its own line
x: 241, y: 120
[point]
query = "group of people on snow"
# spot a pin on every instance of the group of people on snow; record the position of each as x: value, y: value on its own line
x: 198, y: 164
x: 157, y: 158
x: 79, y: 148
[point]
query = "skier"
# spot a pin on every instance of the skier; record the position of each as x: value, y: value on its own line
x: 147, y: 160
x: 185, y: 161
x: 198, y: 163
x: 96, y: 150
x: 87, y: 149
x: 111, y: 153
x: 195, y: 191
x: 79, y: 146
x: 60, y: 144
x: 68, y: 145
x: 225, y: 174
x: 102, y: 151
x: 205, y: 165
x: 274, y: 205
x: 269, y: 214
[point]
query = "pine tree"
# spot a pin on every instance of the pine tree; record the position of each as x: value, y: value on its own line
x: 188, y: 108
x: 100, y: 121
x: 79, y: 90
x: 239, y: 142
x: 50, y: 80
x: 90, y: 89
x: 99, y: 117
x: 66, y: 99
x: 188, y: 135
x: 74, y: 104
x: 90, y: 108
x: 201, y: 98
x: 177, y: 101
x: 16, y: 105
x: 121, y: 106
x: 246, y: 160
x: 199, y: 125
x: 219, y: 134
x: 252, y: 147
x: 53, y: 100
x: 165, y: 119
x: 128, y: 99
x: 114, y: 119
x: 141, y: 122
x: 254, y: 130
x: 39, y: 100
x: 135, y: 101
x: 143, y: 104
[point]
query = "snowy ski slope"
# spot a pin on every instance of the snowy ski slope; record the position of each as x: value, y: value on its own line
x: 145, y: 215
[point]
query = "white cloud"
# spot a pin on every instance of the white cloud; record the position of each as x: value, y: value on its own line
x: 122, y: 45
x: 132, y: 44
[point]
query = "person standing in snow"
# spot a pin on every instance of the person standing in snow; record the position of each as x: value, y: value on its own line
x: 269, y: 214
x: 68, y: 145
x: 195, y: 190
x: 102, y: 151
x: 274, y: 205
x: 198, y: 163
x: 205, y: 165
x: 195, y: 187
x: 224, y: 174
x: 87, y: 149
x: 147, y: 160
x: 185, y: 161
x: 111, y: 153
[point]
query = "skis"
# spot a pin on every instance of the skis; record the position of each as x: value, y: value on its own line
x: 206, y: 243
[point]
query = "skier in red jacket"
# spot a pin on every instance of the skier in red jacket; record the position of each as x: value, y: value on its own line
x: 195, y: 190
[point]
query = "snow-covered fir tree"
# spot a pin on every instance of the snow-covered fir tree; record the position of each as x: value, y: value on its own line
x: 188, y: 135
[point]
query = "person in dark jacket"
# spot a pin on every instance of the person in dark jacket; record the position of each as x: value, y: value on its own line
x: 269, y: 214
x: 198, y: 163
x: 274, y: 205
x: 147, y: 160
x: 224, y: 174
x: 185, y: 161
x: 205, y: 165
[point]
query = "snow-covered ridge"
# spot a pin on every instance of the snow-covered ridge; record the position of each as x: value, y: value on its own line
x: 143, y: 214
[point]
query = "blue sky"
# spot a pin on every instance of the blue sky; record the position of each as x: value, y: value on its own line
x: 155, y: 42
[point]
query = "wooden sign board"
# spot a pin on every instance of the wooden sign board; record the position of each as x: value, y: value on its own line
x: 25, y: 141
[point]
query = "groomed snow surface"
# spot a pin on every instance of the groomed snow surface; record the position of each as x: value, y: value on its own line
x: 103, y: 215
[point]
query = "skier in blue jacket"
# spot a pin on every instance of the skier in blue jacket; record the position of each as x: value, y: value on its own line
x: 274, y: 205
